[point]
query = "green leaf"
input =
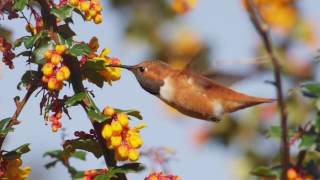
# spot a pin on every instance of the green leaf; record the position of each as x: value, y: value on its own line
x: 317, y: 123
x: 307, y: 141
x: 80, y: 50
x: 311, y: 89
x: 5, y: 131
x: 18, y: 42
x: 92, y: 64
x: 96, y: 116
x: 65, y: 31
x: 75, y: 99
x: 264, y: 172
x: 29, y: 41
x: 19, y: 5
x: 94, y: 77
x: 63, y: 12
x: 39, y: 53
x: 4, y: 123
x: 131, y: 112
x: 28, y: 77
x: 275, y: 132
x: 51, y: 164
x: 89, y: 145
x: 16, y: 153
x: 79, y: 155
x: 126, y: 168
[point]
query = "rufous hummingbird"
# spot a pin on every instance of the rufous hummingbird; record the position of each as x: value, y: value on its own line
x: 191, y: 94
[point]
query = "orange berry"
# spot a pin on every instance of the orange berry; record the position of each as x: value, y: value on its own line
x: 55, y: 59
x: 84, y: 6
x: 116, y: 128
x: 108, y: 111
x: 29, y: 27
x: 60, y: 75
x: 98, y: 8
x: 54, y: 128
x: 59, y: 85
x: 45, y: 79
x: 98, y: 19
x: 116, y: 141
x: 106, y: 131
x: 88, y: 17
x: 123, y: 119
x: 47, y: 69
x: 48, y: 55
x: 59, y: 115
x: 52, y: 84
x: 133, y: 154
x: 74, y: 2
x: 292, y: 174
x: 60, y: 49
x: 66, y: 72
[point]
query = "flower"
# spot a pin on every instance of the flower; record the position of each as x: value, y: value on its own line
x: 161, y: 176
x: 276, y: 13
x: 13, y: 170
x: 120, y: 137
x: 183, y: 6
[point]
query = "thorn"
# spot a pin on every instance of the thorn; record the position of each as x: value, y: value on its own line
x: 17, y: 100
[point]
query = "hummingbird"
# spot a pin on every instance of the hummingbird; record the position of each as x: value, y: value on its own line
x: 191, y: 94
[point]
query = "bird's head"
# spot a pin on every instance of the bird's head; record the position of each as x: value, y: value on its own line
x: 150, y: 74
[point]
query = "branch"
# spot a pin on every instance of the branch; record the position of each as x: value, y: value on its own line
x: 262, y: 29
x: 19, y: 106
x: 87, y: 103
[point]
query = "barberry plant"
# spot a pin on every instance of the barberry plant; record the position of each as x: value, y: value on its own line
x: 61, y: 62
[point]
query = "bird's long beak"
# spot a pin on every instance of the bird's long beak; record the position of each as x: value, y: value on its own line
x: 120, y: 66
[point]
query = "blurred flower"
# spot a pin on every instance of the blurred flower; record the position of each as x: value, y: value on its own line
x: 13, y: 171
x: 183, y: 6
x: 280, y: 14
x: 161, y: 176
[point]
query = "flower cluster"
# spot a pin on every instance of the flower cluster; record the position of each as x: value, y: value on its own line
x: 91, y: 174
x: 109, y: 74
x: 7, y: 54
x: 161, y: 176
x: 55, y: 123
x: 183, y: 6
x: 120, y: 137
x: 54, y: 73
x: 295, y: 175
x: 91, y: 9
x: 276, y: 13
x: 10, y: 169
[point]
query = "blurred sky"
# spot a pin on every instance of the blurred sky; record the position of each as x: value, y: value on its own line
x: 222, y: 23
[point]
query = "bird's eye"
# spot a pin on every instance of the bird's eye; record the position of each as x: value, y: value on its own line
x: 141, y: 69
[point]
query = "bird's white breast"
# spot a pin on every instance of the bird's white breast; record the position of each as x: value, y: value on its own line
x: 167, y: 90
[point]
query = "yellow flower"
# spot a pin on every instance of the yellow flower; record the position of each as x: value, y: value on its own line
x: 14, y: 172
x: 133, y: 155
x: 106, y: 131
x: 123, y: 119
x: 108, y: 111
